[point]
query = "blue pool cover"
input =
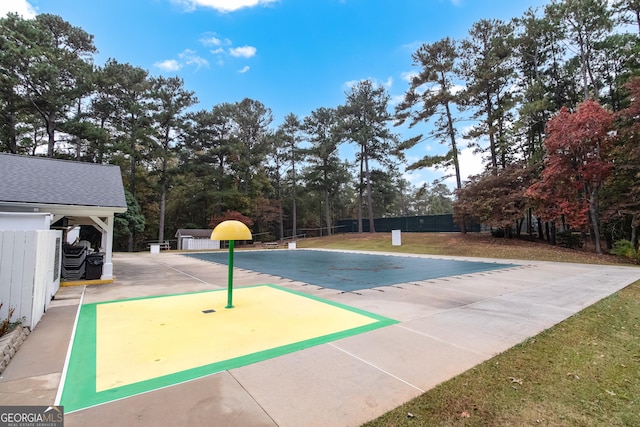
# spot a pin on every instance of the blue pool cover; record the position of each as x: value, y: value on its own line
x: 347, y: 271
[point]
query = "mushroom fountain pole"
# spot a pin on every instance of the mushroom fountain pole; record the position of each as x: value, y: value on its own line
x: 231, y: 230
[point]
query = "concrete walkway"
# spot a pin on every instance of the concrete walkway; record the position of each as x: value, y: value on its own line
x: 446, y: 327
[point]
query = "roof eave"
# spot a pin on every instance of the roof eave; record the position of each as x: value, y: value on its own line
x: 62, y: 209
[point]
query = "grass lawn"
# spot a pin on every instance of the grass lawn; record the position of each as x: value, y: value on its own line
x: 472, y: 245
x: 584, y: 371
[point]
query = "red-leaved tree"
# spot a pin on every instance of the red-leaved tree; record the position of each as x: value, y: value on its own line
x: 230, y: 215
x: 495, y: 198
x: 576, y: 164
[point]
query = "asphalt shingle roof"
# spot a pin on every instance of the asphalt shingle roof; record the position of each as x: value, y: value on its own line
x: 28, y: 179
x: 194, y: 232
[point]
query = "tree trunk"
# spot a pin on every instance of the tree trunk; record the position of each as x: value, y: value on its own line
x: 456, y: 162
x: 327, y: 213
x: 519, y: 224
x: 634, y: 231
x: 540, y: 231
x: 294, y: 208
x: 51, y: 133
x: 372, y: 228
x: 281, y: 219
x: 163, y: 203
x: 360, y: 190
x: 454, y: 146
x: 584, y: 71
x: 132, y: 174
x: 294, y: 211
x: 13, y: 140
x: 595, y: 219
x: 492, y: 137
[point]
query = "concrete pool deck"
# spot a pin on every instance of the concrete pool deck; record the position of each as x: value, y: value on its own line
x: 445, y: 327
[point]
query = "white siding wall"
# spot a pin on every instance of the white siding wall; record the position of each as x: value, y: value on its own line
x: 24, y: 221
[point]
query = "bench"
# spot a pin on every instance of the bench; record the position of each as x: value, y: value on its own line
x: 162, y: 245
x: 270, y: 245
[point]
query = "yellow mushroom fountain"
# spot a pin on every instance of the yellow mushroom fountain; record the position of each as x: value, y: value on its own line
x: 231, y: 230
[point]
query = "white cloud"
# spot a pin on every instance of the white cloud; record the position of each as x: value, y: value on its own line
x: 413, y: 46
x: 471, y: 163
x: 243, y: 51
x: 244, y: 69
x: 435, y: 88
x: 21, y: 7
x: 186, y: 57
x: 211, y: 41
x: 350, y: 84
x: 455, y: 89
x: 417, y: 178
x: 408, y: 76
x: 169, y: 65
x: 223, y: 6
x: 191, y: 58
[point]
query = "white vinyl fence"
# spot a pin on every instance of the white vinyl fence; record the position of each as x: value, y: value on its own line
x: 29, y: 273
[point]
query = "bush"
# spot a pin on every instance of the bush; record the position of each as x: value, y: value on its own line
x: 498, y: 232
x: 626, y: 249
x: 568, y: 239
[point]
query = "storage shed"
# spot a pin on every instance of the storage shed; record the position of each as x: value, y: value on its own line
x: 196, y: 238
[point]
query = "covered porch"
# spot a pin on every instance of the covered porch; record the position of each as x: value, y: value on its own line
x: 73, y: 194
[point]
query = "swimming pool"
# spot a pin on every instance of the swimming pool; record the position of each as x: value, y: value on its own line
x: 348, y: 271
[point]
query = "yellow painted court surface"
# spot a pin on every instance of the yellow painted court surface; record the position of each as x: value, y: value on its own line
x: 138, y: 340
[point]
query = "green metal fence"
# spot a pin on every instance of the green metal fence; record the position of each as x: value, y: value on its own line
x: 423, y: 223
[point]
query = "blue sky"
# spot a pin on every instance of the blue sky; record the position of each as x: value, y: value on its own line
x: 294, y: 56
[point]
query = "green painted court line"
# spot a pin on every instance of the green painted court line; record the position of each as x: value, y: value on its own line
x: 80, y: 384
x: 335, y: 304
